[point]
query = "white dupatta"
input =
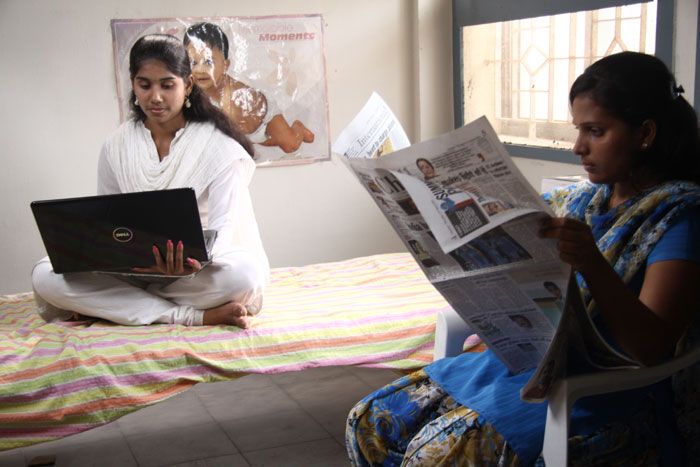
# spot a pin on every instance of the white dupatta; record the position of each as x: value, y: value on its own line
x: 194, y: 160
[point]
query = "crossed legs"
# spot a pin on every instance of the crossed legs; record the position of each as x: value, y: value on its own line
x: 219, y: 294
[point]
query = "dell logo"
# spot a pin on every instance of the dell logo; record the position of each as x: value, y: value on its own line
x: 122, y: 234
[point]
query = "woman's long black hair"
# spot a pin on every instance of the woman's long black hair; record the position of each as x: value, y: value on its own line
x: 635, y: 87
x: 169, y: 50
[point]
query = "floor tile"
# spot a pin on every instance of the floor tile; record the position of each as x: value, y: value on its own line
x: 332, y: 419
x: 183, y: 410
x: 12, y: 458
x: 319, y: 388
x: 289, y: 419
x: 247, y: 382
x: 234, y: 460
x: 273, y: 429
x: 340, y: 439
x: 328, y: 401
x: 104, y: 453
x: 322, y: 453
x: 244, y: 403
x: 310, y: 374
x: 375, y: 377
x: 180, y: 444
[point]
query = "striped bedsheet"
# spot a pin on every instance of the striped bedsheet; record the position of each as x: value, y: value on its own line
x: 63, y: 378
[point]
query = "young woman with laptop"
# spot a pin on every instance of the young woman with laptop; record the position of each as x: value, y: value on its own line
x: 176, y: 138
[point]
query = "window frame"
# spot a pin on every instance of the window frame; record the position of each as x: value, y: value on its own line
x: 473, y: 12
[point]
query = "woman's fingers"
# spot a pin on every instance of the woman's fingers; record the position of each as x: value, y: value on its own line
x: 194, y: 264
x: 158, y: 258
x: 581, y: 237
x: 174, y: 263
x: 567, y: 230
x: 554, y: 226
x: 169, y: 257
x: 575, y: 241
x: 179, y: 258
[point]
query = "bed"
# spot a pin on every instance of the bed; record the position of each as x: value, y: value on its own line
x: 58, y: 379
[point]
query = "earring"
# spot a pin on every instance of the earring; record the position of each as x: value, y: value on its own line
x: 188, y: 104
x: 644, y: 146
x: 136, y: 102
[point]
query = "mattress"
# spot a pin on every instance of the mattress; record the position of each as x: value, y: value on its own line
x: 58, y: 379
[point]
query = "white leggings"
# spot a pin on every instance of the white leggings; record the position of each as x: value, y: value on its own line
x: 235, y: 277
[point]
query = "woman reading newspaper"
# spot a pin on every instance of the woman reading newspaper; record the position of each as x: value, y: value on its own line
x: 628, y: 233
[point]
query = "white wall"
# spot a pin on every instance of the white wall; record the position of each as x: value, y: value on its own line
x: 59, y: 103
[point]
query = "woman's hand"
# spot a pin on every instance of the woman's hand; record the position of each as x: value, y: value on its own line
x: 174, y: 263
x: 576, y: 244
x: 648, y: 326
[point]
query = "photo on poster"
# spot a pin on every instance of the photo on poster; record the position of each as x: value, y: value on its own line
x: 267, y: 74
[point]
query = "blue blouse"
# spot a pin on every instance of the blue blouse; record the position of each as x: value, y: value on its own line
x: 482, y: 383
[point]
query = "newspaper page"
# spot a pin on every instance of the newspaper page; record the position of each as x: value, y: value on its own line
x: 373, y: 132
x: 471, y: 221
x: 575, y: 334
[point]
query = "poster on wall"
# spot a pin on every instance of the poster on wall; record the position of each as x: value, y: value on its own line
x: 267, y: 74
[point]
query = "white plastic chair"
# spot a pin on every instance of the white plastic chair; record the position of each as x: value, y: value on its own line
x: 451, y: 331
x: 564, y: 393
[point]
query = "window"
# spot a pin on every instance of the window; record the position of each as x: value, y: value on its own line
x: 518, y: 72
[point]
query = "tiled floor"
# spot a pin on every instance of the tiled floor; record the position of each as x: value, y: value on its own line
x: 290, y: 419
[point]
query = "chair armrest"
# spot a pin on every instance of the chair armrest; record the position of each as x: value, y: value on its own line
x: 564, y: 393
x: 450, y: 333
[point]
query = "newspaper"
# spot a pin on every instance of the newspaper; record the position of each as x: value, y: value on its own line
x: 373, y: 132
x: 471, y: 221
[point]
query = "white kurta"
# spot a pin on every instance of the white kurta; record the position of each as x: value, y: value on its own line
x: 239, y: 268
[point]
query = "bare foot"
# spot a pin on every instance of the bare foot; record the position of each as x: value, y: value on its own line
x: 229, y: 313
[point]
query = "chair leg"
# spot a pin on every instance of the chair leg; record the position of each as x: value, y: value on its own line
x: 556, y: 434
x: 450, y: 333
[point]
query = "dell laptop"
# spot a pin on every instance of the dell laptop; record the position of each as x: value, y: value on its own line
x: 115, y: 233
